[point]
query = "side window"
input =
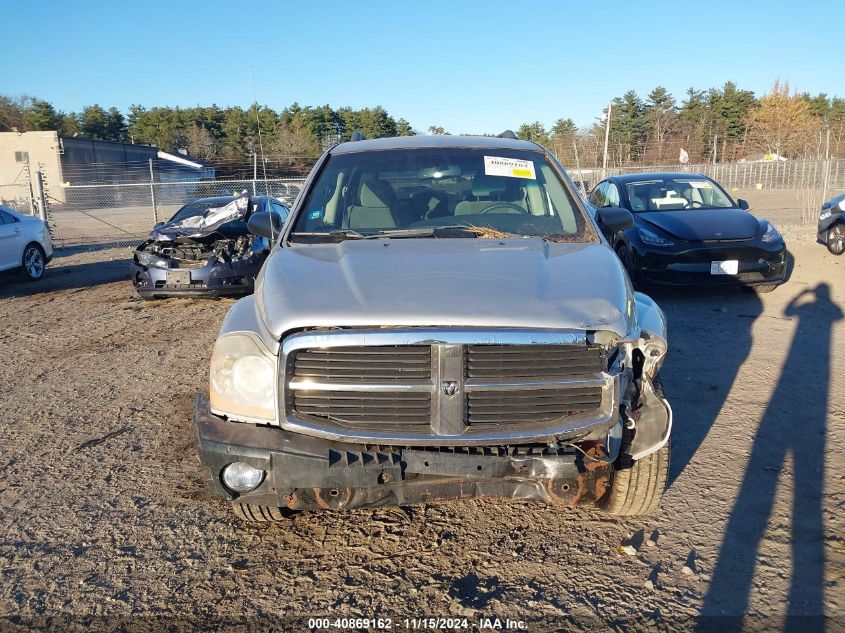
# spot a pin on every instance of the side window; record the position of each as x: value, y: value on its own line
x: 7, y: 218
x: 611, y: 195
x: 597, y: 197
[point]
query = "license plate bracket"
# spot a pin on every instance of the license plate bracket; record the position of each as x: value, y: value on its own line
x: 178, y: 277
x: 726, y: 267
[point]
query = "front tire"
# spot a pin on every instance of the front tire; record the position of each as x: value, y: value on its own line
x: 636, y: 488
x: 836, y: 239
x: 260, y: 514
x: 33, y: 262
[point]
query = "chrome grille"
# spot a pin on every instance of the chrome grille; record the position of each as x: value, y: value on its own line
x: 523, y: 361
x: 385, y: 362
x: 367, y: 410
x: 486, y: 409
x: 444, y: 387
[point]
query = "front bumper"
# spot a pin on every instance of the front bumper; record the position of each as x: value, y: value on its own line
x: 214, y: 279
x: 691, y: 266
x: 303, y: 472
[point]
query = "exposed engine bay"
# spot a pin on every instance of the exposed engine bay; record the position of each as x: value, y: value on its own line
x: 204, y: 249
x: 195, y: 253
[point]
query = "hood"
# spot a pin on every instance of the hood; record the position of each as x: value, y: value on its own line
x: 695, y: 225
x: 203, y: 224
x: 518, y: 282
x: 837, y: 204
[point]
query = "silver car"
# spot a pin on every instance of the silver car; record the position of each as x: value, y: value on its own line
x: 440, y: 318
x: 25, y: 244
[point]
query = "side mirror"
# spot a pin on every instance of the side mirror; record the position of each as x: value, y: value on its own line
x: 157, y: 225
x: 265, y: 224
x: 615, y: 219
x: 742, y: 204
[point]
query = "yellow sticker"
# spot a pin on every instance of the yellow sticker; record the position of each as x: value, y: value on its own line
x: 510, y: 167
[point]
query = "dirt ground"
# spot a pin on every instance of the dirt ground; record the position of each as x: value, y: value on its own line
x: 104, y: 514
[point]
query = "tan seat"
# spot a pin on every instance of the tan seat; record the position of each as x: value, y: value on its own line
x: 376, y: 208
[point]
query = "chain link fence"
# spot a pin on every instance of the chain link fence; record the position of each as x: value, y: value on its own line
x: 120, y: 214
x: 789, y: 193
x: 788, y: 174
x: 123, y: 214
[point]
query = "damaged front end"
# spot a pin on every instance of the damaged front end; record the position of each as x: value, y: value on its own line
x: 529, y: 415
x: 209, y: 255
x: 306, y: 473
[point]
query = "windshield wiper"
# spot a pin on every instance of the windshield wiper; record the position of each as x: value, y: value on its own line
x: 338, y: 235
x: 452, y: 230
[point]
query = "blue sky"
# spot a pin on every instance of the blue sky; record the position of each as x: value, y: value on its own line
x: 468, y: 66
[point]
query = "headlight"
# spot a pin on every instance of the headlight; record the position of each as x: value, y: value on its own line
x: 243, y: 379
x: 826, y: 213
x: 653, y: 238
x: 771, y: 234
x: 148, y: 259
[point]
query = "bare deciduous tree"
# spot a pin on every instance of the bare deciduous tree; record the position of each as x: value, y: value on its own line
x: 295, y: 145
x: 783, y: 123
x: 201, y: 143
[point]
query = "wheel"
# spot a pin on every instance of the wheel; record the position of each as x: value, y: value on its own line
x: 836, y: 239
x: 33, y: 262
x: 260, y: 514
x: 637, y: 489
x: 625, y: 257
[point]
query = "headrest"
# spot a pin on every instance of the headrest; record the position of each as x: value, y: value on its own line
x: 377, y: 193
x: 484, y: 186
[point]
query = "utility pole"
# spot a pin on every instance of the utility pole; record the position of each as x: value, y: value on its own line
x: 606, y: 139
x: 825, y: 182
x: 715, y: 147
x: 254, y: 171
x: 153, y: 193
x: 578, y: 167
x: 41, y: 199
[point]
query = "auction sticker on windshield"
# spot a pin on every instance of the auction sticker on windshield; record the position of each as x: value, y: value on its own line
x: 511, y: 167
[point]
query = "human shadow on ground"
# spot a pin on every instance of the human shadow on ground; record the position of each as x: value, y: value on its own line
x: 793, y: 424
x: 709, y: 340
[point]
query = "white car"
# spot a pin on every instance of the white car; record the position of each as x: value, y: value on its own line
x: 24, y: 243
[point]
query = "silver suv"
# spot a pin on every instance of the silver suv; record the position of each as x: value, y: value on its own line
x: 440, y: 318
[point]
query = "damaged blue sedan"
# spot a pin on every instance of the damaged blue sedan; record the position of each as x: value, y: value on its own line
x: 205, y: 249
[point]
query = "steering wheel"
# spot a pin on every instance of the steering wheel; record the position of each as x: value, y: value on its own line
x: 691, y: 204
x: 504, y: 205
x: 424, y: 199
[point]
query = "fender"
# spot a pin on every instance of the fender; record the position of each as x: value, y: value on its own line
x: 654, y: 415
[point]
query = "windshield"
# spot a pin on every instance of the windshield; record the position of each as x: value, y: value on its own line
x: 391, y: 192
x: 673, y: 193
